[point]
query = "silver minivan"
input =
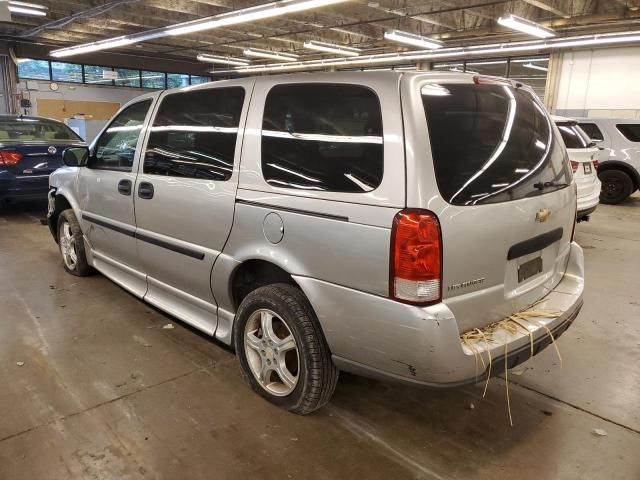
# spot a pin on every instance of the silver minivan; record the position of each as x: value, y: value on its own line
x: 361, y: 221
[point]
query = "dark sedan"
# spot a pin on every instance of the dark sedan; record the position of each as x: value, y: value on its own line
x: 30, y: 149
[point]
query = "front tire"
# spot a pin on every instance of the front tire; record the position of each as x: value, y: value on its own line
x: 616, y: 186
x: 71, y: 244
x: 283, y: 354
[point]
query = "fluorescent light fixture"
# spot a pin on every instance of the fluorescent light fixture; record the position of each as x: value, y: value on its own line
x: 526, y: 26
x: 251, y: 14
x: 535, y: 67
x: 269, y: 10
x: 30, y: 9
x: 222, y: 60
x: 412, y: 39
x: 285, y: 57
x: 92, y: 47
x: 447, y: 54
x: 332, y: 48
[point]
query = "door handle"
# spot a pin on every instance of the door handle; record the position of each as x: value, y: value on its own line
x: 145, y: 190
x: 124, y: 187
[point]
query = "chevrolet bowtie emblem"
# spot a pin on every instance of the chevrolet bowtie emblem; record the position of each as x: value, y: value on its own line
x: 542, y: 215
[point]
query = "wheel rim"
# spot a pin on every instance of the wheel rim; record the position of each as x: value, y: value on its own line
x: 68, y: 246
x: 272, y: 352
x: 612, y: 188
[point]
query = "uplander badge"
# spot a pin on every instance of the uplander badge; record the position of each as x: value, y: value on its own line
x: 470, y: 283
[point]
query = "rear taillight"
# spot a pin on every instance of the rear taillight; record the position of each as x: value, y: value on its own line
x: 415, y: 273
x: 574, y: 166
x: 596, y: 164
x: 10, y: 158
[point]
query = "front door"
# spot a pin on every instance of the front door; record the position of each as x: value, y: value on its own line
x: 185, y: 198
x: 106, y: 192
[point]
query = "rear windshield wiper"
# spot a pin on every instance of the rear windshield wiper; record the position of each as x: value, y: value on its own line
x: 543, y: 185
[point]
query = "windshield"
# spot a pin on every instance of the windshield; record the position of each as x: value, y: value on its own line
x: 573, y: 135
x: 30, y: 129
x: 492, y: 143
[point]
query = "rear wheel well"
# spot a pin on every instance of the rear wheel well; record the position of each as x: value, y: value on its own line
x: 254, y: 274
x: 603, y: 167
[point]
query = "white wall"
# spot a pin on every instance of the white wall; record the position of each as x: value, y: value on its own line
x: 599, y: 83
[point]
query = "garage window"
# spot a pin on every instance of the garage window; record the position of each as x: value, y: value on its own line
x: 631, y: 131
x: 194, y: 134
x: 325, y: 137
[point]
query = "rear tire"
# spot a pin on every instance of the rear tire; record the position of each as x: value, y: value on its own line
x: 71, y: 244
x: 616, y: 186
x: 283, y: 354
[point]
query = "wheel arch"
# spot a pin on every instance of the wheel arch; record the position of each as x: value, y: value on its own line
x: 63, y: 201
x: 624, y: 167
x: 254, y: 273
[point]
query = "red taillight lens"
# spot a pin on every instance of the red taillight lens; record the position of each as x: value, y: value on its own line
x: 415, y: 273
x: 574, y: 166
x: 596, y: 164
x: 10, y: 158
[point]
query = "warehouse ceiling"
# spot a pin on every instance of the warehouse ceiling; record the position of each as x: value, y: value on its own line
x: 357, y: 23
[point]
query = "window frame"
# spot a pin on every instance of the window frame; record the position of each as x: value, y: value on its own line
x: 595, y: 125
x: 162, y: 95
x: 625, y: 134
x: 392, y: 190
x: 327, y: 84
x: 151, y: 98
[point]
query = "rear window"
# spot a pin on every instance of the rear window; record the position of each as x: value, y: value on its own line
x: 592, y: 130
x: 28, y: 129
x: 492, y: 143
x: 631, y: 131
x: 573, y: 136
x: 325, y: 137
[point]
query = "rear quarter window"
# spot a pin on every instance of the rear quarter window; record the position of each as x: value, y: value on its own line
x: 592, y: 130
x: 631, y: 131
x: 323, y: 137
x: 573, y: 136
x: 492, y: 143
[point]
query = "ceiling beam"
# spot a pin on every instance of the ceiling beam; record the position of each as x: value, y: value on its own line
x: 549, y: 8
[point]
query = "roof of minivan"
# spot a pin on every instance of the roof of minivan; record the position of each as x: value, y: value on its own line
x: 325, y: 76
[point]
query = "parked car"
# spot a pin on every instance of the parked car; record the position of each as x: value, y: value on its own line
x: 30, y: 149
x: 619, y: 169
x: 583, y: 155
x: 342, y: 221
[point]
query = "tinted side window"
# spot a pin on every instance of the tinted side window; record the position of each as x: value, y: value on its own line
x: 322, y: 137
x: 194, y: 134
x: 116, y: 147
x: 573, y: 136
x: 631, y: 131
x: 492, y: 143
x: 592, y: 130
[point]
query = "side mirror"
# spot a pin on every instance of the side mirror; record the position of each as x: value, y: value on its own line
x: 75, y: 156
x: 597, y: 140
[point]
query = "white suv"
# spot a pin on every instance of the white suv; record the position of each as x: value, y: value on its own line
x: 620, y: 161
x: 584, y: 158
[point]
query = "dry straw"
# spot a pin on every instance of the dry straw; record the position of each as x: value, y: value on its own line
x: 477, y: 338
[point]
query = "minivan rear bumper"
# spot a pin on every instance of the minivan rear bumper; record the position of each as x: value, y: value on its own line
x: 380, y: 338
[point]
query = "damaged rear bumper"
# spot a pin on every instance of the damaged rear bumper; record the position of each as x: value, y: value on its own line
x: 376, y: 337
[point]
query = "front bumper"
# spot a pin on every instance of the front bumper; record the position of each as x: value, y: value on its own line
x: 380, y: 338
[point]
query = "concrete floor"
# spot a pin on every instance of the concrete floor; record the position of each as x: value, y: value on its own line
x: 105, y: 392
